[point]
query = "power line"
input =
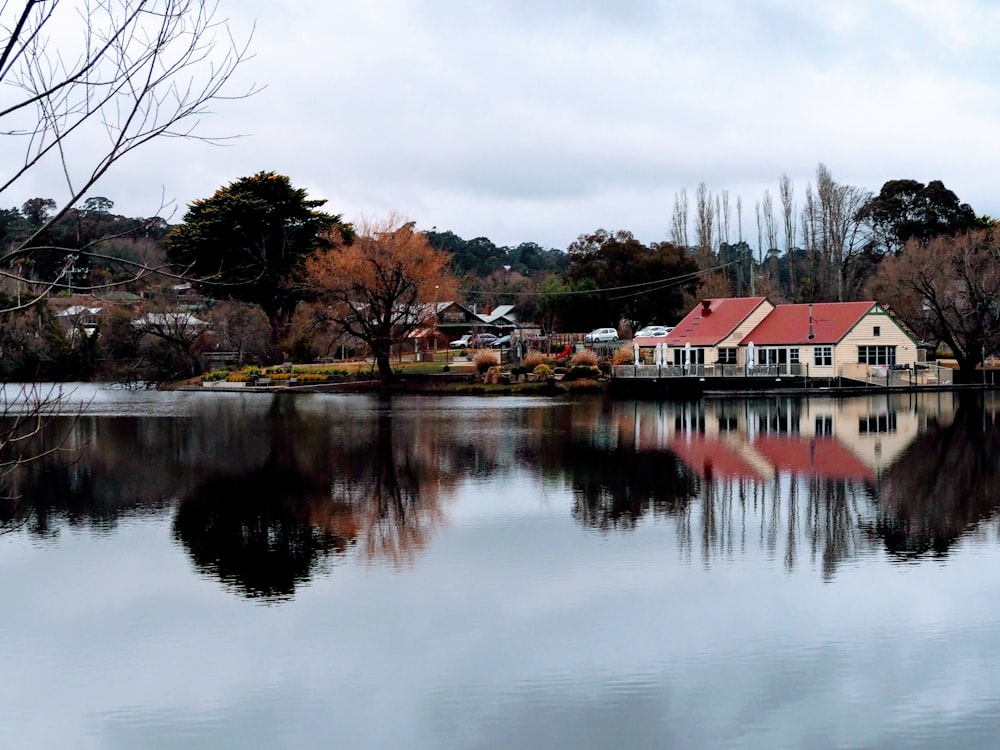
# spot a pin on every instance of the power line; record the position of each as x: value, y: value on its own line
x: 641, y: 287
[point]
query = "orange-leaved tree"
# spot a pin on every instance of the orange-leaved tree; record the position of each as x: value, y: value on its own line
x: 387, y: 283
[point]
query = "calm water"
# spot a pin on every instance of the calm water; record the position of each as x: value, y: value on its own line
x: 249, y: 571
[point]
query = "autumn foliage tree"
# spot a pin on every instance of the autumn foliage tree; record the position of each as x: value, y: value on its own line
x: 381, y: 286
x: 948, y: 291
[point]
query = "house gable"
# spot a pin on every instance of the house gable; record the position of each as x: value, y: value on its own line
x: 714, y: 320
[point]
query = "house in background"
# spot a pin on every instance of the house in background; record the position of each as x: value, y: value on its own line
x: 828, y: 339
x: 714, y: 329
x: 453, y: 320
x: 80, y: 318
x: 500, y: 318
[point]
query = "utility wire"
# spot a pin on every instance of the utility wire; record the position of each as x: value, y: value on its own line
x: 642, y: 287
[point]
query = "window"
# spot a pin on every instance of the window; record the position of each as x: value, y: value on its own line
x: 877, y: 331
x: 877, y: 423
x: 727, y: 356
x: 793, y: 356
x: 824, y: 426
x: 823, y: 356
x: 729, y: 423
x: 877, y: 355
x: 690, y: 423
x: 697, y: 356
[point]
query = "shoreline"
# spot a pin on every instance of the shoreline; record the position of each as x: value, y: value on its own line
x: 470, y: 385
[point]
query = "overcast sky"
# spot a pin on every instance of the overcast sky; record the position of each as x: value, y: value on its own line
x: 539, y: 121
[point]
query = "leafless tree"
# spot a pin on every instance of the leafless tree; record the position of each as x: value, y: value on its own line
x: 244, y: 329
x: 834, y: 234
x: 724, y: 216
x: 770, y: 233
x: 946, y: 290
x: 87, y: 82
x: 35, y: 423
x: 704, y: 226
x: 760, y: 247
x: 787, y: 193
x: 679, y: 220
x: 83, y: 84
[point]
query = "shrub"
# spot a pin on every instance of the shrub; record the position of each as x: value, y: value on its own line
x: 311, y: 377
x: 623, y: 355
x: 485, y: 360
x: 533, y: 359
x: 544, y: 371
x: 585, y: 358
x: 215, y: 375
x: 237, y: 377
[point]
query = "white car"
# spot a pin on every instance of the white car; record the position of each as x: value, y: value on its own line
x: 649, y: 331
x: 601, y: 334
x: 462, y: 342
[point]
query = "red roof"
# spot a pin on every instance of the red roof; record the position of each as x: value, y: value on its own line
x: 712, y: 458
x: 712, y: 320
x: 789, y: 324
x: 821, y: 456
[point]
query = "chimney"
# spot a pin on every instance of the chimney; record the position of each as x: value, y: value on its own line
x: 706, y: 307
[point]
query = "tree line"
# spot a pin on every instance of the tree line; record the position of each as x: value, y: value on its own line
x: 317, y: 281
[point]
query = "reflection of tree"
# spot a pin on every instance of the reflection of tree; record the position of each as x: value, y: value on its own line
x: 943, y: 485
x: 393, y: 488
x: 90, y: 473
x: 264, y: 532
x: 615, y: 488
x: 832, y: 521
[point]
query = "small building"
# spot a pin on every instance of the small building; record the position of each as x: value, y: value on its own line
x: 829, y: 339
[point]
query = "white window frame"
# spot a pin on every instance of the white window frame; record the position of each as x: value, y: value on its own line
x: 823, y: 356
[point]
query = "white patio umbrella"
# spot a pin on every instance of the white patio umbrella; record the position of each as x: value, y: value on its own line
x: 663, y: 356
x: 635, y: 353
x: 687, y: 355
x: 750, y: 355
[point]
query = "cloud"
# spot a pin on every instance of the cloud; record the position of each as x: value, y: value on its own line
x: 531, y: 122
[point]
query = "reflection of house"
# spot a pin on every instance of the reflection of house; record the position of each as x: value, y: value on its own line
x: 826, y: 336
x: 831, y: 438
x: 714, y: 329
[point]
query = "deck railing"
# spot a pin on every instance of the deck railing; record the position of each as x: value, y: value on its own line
x: 874, y: 375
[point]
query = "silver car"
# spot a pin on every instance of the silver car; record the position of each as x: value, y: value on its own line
x: 601, y: 334
x: 652, y: 331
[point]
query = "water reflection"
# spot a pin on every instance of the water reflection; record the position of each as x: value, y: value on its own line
x: 266, y: 493
x: 815, y: 481
x: 944, y: 484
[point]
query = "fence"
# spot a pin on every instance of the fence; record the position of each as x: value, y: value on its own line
x: 875, y: 375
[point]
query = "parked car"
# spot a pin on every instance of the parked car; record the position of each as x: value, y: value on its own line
x: 462, y: 342
x: 501, y: 343
x: 652, y: 331
x: 482, y: 341
x: 601, y: 334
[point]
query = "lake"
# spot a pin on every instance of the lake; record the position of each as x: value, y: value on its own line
x: 226, y: 570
